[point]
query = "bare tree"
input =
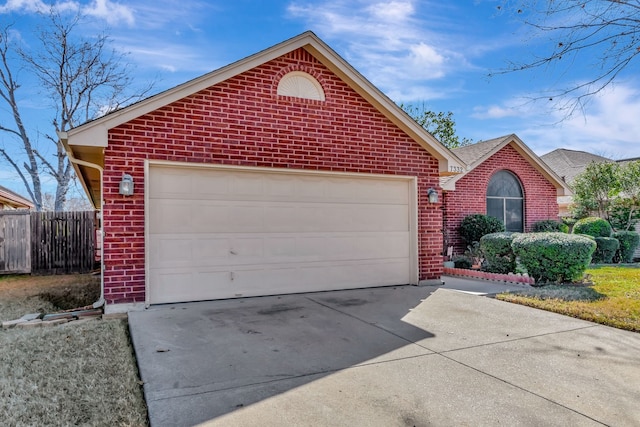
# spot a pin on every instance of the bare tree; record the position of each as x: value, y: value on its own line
x: 82, y: 78
x: 8, y: 88
x: 603, y: 33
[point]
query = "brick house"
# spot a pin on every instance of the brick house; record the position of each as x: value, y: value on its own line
x: 284, y: 172
x: 505, y: 179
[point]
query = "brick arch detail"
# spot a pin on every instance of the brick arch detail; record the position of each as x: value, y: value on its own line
x: 304, y: 65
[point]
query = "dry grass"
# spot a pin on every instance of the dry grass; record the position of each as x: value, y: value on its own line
x: 613, y: 299
x: 80, y: 373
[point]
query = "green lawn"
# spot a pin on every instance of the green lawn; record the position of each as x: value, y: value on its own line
x: 79, y: 373
x: 613, y: 299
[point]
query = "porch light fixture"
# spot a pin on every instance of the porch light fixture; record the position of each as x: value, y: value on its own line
x: 126, y: 185
x: 432, y: 193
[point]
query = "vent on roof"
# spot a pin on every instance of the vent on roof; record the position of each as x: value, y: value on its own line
x: 300, y: 85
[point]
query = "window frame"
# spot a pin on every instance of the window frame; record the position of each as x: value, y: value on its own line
x: 504, y: 199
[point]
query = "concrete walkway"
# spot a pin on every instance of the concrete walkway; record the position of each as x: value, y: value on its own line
x: 398, y: 356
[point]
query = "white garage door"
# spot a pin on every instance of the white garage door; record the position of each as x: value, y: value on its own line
x: 216, y: 233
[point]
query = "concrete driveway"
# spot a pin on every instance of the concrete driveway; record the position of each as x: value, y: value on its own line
x: 398, y: 356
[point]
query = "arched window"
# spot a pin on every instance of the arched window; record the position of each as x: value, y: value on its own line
x: 505, y: 201
x: 300, y: 85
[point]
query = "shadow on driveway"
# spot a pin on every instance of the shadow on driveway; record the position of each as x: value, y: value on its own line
x: 396, y: 356
x: 233, y: 353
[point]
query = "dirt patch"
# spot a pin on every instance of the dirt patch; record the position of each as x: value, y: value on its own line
x: 73, y: 296
x: 45, y: 294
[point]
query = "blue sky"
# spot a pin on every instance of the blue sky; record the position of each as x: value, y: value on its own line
x: 426, y: 52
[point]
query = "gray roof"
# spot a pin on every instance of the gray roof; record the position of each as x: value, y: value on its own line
x: 474, y: 152
x: 629, y: 160
x: 570, y: 163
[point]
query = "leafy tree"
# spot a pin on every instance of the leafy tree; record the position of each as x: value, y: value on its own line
x: 82, y: 78
x: 601, y: 33
x: 624, y: 214
x: 610, y: 190
x: 629, y: 175
x: 595, y: 188
x: 441, y: 125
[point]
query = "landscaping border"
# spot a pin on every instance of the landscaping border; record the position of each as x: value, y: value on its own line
x: 496, y: 277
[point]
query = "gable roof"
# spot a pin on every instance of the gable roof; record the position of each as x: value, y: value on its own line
x: 87, y: 141
x: 475, y: 154
x: 478, y: 152
x: 10, y: 198
x: 570, y: 163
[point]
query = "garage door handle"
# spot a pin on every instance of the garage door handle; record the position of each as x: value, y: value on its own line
x: 232, y: 252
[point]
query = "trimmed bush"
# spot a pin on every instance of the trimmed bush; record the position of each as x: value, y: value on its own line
x: 553, y: 257
x: 462, y: 261
x: 474, y: 226
x: 605, y: 250
x: 498, y: 255
x: 593, y: 226
x: 629, y: 241
x: 549, y: 226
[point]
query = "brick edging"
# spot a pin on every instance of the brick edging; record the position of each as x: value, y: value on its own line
x: 476, y: 274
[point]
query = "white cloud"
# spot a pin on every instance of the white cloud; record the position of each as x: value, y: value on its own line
x: 609, y: 127
x: 387, y: 41
x: 167, y: 56
x: 423, y: 56
x: 393, y: 11
x: 35, y: 6
x: 112, y: 12
x: 496, y: 112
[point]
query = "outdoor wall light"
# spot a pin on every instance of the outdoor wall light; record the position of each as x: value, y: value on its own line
x: 432, y: 193
x: 126, y: 185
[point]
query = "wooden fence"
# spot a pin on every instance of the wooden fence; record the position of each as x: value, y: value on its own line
x: 15, y: 241
x: 62, y: 242
x: 47, y: 242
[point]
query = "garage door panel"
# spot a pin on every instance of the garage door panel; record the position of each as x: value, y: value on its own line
x: 241, y: 217
x: 214, y: 184
x: 184, y: 284
x: 223, y: 233
x: 198, y: 251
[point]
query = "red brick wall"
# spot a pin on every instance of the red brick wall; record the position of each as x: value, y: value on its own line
x: 242, y: 121
x: 540, y: 201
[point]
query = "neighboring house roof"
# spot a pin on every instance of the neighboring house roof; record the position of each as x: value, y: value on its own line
x: 629, y: 160
x: 475, y: 154
x: 14, y: 200
x: 87, y: 142
x: 570, y: 163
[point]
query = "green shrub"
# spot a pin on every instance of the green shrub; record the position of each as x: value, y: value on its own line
x: 549, y: 226
x: 553, y: 257
x: 498, y: 255
x: 474, y: 226
x: 629, y: 241
x: 605, y: 250
x: 593, y: 226
x: 462, y: 261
